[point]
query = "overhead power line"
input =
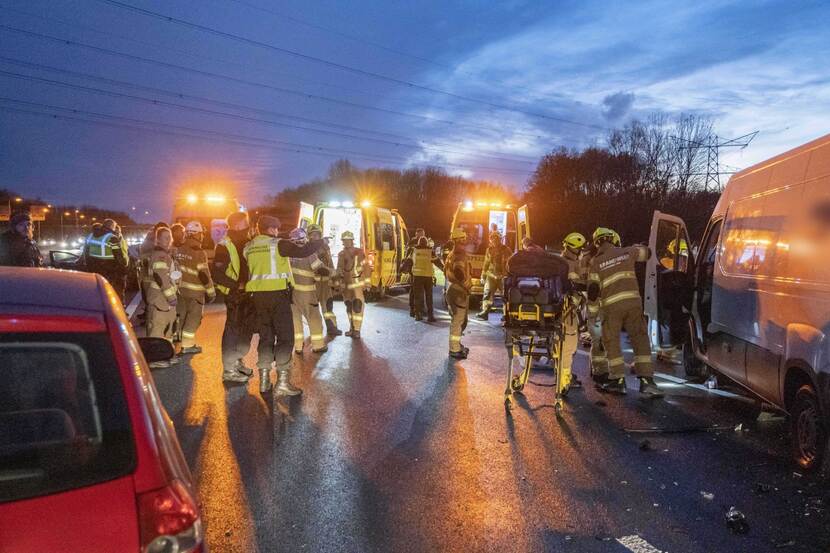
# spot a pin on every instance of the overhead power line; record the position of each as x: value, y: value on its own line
x: 343, y: 67
x: 243, y: 140
x: 205, y: 111
x: 274, y: 88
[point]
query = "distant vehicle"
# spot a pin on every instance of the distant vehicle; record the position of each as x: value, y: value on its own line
x: 89, y: 459
x: 381, y: 232
x: 477, y: 219
x: 205, y: 208
x: 758, y: 293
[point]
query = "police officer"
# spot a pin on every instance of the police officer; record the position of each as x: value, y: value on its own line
x: 304, y: 303
x: 195, y: 288
x: 17, y: 245
x: 161, y: 293
x: 352, y: 269
x: 105, y: 253
x: 325, y: 294
x: 230, y: 283
x: 493, y: 272
x: 613, y: 281
x: 457, y: 272
x: 422, y: 279
x: 269, y: 283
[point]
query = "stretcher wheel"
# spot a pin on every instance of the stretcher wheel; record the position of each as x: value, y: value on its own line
x: 558, y: 408
x: 508, y: 404
x: 516, y: 384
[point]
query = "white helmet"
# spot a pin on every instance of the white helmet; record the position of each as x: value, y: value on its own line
x: 298, y: 235
x: 194, y: 227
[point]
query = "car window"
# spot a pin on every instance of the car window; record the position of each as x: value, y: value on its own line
x: 672, y: 246
x: 63, y: 419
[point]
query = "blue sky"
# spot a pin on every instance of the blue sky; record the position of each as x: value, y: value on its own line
x: 544, y: 74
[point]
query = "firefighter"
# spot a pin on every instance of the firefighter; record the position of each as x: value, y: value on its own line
x: 304, y: 303
x: 145, y: 250
x: 352, y: 269
x: 493, y: 272
x: 613, y: 281
x: 457, y: 272
x: 573, y: 247
x: 179, y: 232
x: 269, y: 283
x: 195, y: 288
x: 423, y: 259
x: 230, y: 283
x: 104, y: 254
x: 161, y: 292
x: 325, y: 294
x: 667, y: 260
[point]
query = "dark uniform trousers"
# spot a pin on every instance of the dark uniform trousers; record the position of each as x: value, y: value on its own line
x: 236, y: 337
x: 276, y: 328
x: 422, y: 290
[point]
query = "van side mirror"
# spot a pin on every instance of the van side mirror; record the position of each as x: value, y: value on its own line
x: 156, y: 349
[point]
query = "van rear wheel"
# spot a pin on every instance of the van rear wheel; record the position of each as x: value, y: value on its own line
x: 808, y: 430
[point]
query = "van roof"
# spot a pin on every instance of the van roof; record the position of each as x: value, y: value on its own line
x: 804, y: 148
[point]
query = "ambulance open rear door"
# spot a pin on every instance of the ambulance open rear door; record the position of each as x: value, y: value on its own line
x: 523, y: 216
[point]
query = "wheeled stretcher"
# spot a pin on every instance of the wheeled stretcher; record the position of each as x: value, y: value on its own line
x: 535, y: 305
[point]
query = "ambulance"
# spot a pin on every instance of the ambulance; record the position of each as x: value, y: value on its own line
x: 477, y: 219
x: 210, y: 210
x: 381, y: 232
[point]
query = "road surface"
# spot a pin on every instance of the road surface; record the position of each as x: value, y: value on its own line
x: 394, y: 447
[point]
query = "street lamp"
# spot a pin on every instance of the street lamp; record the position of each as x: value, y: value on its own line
x: 18, y: 200
x: 64, y: 214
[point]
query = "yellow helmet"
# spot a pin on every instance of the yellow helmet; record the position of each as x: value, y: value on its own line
x: 603, y: 234
x: 684, y: 247
x: 574, y: 241
x: 458, y: 234
x: 314, y: 227
x: 348, y: 235
x: 615, y: 239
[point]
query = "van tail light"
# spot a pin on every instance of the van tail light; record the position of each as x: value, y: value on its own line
x: 170, y: 522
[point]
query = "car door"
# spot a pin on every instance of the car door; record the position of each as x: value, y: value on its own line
x: 668, y: 284
x: 65, y: 260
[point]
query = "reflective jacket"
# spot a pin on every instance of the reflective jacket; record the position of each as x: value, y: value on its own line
x: 422, y: 262
x: 268, y: 269
x: 353, y: 268
x: 324, y: 255
x: 105, y: 246
x: 192, y: 262
x: 161, y: 291
x: 304, y: 271
x: 613, y: 278
x: 457, y: 270
x: 495, y: 261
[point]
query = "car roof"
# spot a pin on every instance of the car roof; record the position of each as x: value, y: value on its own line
x: 52, y: 288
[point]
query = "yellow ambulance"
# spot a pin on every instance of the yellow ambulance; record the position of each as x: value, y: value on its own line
x: 381, y: 232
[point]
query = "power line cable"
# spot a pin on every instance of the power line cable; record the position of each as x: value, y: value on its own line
x: 274, y: 88
x: 184, y: 107
x: 343, y: 67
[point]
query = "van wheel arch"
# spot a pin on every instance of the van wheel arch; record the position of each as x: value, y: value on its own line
x: 807, y: 420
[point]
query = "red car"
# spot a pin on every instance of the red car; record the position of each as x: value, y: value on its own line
x: 89, y: 459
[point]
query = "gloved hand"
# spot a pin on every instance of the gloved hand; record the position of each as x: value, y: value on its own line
x: 322, y: 271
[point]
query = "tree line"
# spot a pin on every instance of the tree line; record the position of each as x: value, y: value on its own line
x: 654, y: 164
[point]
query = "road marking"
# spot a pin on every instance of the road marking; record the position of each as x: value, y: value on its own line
x: 130, y: 309
x: 636, y: 544
x: 405, y: 300
x: 714, y: 391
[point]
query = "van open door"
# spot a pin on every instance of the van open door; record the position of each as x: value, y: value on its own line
x: 306, y: 215
x: 668, y: 282
x: 523, y: 215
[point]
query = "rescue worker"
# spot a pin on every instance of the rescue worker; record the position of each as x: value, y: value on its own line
x: 179, y: 232
x: 105, y: 253
x: 613, y: 281
x: 407, y: 265
x: 352, y: 269
x: 230, y: 283
x: 667, y: 260
x: 269, y: 283
x: 572, y: 249
x: 161, y: 293
x: 145, y: 250
x: 422, y: 280
x: 493, y: 272
x: 325, y: 294
x: 17, y: 245
x: 195, y: 288
x: 457, y: 272
x: 304, y: 303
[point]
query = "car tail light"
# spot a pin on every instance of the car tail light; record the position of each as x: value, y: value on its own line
x: 170, y: 522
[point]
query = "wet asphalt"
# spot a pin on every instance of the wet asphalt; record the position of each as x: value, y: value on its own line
x: 394, y: 447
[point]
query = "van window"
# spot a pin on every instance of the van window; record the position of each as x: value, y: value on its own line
x: 809, y: 240
x: 384, y: 237
x: 478, y: 224
x: 337, y: 220
x: 64, y: 422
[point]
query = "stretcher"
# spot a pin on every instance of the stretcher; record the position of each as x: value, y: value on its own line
x: 536, y: 307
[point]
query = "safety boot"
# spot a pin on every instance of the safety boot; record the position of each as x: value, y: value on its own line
x: 458, y: 354
x: 284, y: 386
x: 648, y: 387
x: 575, y: 381
x: 191, y: 350
x: 353, y: 334
x: 615, y: 386
x: 264, y: 381
x: 323, y: 349
x: 331, y: 328
x: 240, y: 366
x: 483, y: 316
x: 234, y: 375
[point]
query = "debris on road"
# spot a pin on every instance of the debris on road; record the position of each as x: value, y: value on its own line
x: 708, y: 496
x: 739, y: 427
x: 761, y: 488
x: 782, y: 545
x: 736, y: 521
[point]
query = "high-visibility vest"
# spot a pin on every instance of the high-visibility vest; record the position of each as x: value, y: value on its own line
x: 421, y: 262
x: 232, y: 270
x: 268, y: 271
x: 100, y: 248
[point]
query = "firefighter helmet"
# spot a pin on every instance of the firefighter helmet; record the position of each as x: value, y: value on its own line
x: 458, y: 234
x: 348, y: 235
x: 684, y: 247
x: 314, y: 227
x: 602, y: 234
x: 575, y: 241
x: 298, y: 235
x: 616, y: 240
x: 194, y: 227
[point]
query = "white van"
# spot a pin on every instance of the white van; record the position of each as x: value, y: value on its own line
x: 758, y: 290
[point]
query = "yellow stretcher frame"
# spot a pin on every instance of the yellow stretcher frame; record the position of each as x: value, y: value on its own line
x: 534, y: 335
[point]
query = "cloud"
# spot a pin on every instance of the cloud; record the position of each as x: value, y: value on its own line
x: 617, y: 105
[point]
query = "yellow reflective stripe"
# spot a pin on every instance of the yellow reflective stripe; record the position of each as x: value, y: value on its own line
x: 599, y: 358
x: 328, y: 315
x: 357, y: 317
x: 616, y: 277
x: 275, y: 276
x: 211, y: 291
x: 316, y: 264
x: 186, y: 334
x: 305, y: 287
x: 298, y: 336
x: 642, y: 358
x: 615, y: 362
x: 594, y: 277
x: 355, y: 285
x: 154, y: 286
x: 303, y: 272
x: 188, y: 270
x: 160, y: 265
x: 316, y: 337
x: 169, y: 292
x: 593, y: 309
x: 620, y: 297
x: 573, y: 276
x: 454, y: 338
x: 202, y: 266
x: 191, y: 286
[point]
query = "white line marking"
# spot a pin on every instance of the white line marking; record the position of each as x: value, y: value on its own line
x: 470, y: 320
x: 636, y: 544
x: 130, y: 309
x: 722, y: 393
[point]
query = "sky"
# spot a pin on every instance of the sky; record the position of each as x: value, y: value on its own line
x: 127, y: 103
